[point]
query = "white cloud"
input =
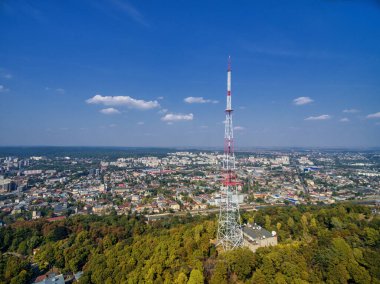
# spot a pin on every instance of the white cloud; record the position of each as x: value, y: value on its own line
x: 239, y: 128
x: 302, y: 101
x: 374, y: 115
x: 60, y: 91
x: 344, y: 119
x: 321, y: 117
x: 177, y: 117
x: 123, y: 100
x: 163, y: 111
x: 352, y: 110
x: 198, y: 100
x: 140, y: 123
x: 110, y: 110
x: 3, y: 89
x: 160, y: 98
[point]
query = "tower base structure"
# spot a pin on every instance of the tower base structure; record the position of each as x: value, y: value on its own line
x: 230, y: 234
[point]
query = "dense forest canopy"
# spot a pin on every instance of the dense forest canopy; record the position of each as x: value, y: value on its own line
x: 335, y: 244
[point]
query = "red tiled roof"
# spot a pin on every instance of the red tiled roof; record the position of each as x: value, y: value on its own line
x: 40, y: 278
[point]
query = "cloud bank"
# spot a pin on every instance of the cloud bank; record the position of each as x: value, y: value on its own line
x: 198, y: 100
x: 351, y: 110
x: 110, y: 110
x: 123, y: 101
x: 320, y: 117
x: 239, y: 128
x: 177, y: 117
x: 374, y: 115
x: 302, y: 101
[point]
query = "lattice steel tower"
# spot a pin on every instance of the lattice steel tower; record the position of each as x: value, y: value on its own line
x: 230, y: 234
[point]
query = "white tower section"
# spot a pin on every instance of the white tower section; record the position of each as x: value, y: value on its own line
x: 229, y: 88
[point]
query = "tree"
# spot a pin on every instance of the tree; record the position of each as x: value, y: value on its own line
x: 45, y: 256
x: 278, y: 226
x: 290, y: 222
x: 21, y: 278
x: 121, y: 249
x: 196, y: 277
x: 358, y: 273
x: 267, y: 222
x: 280, y: 279
x: 372, y: 236
x: 241, y: 262
x: 336, y: 223
x: 258, y: 277
x: 313, y: 224
x: 338, y: 274
x: 57, y: 233
x: 220, y: 275
x: 181, y: 279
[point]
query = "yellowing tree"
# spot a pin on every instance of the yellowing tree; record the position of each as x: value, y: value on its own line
x: 196, y: 277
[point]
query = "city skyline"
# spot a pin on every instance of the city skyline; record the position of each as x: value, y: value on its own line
x: 128, y: 73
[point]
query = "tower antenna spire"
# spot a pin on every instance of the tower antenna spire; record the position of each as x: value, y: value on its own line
x: 230, y: 234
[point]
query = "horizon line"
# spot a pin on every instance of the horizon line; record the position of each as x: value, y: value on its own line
x: 189, y: 147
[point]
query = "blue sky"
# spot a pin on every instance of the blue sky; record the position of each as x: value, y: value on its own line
x: 153, y: 73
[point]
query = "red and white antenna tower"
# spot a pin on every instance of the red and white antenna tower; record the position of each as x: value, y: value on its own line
x: 230, y: 234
